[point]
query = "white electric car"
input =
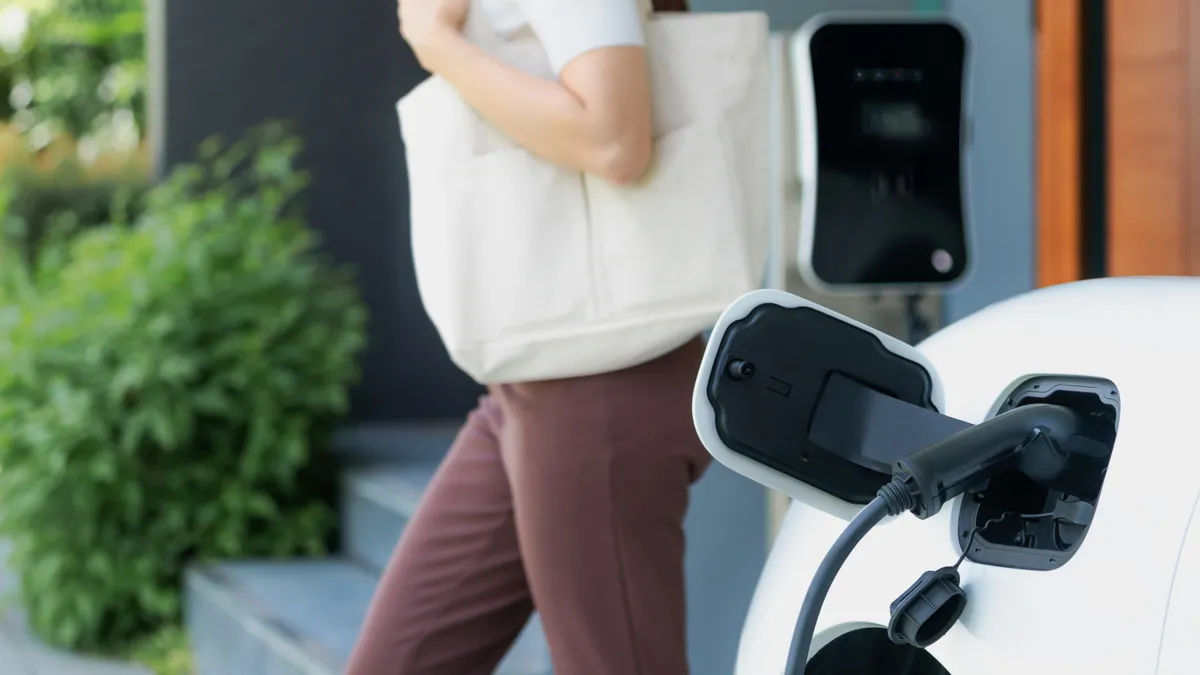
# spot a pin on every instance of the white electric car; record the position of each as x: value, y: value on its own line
x: 1046, y: 450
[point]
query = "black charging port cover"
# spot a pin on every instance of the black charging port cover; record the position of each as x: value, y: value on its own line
x: 928, y: 609
x: 785, y: 378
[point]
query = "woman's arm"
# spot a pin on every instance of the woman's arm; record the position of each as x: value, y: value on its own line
x: 596, y: 118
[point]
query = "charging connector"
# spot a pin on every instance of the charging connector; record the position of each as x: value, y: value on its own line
x: 922, y: 483
x: 950, y: 467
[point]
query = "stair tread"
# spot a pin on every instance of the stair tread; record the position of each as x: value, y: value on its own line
x: 388, y: 443
x: 296, y: 617
x: 396, y: 486
x: 317, y: 606
x: 390, y: 468
x: 313, y: 611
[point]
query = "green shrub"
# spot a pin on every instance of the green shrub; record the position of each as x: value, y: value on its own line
x: 14, y: 268
x: 79, y: 70
x: 167, y: 394
x: 58, y: 202
x: 165, y: 652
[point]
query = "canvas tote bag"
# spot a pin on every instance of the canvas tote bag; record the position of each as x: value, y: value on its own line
x: 530, y: 271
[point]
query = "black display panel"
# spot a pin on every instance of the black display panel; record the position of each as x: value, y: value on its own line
x: 889, y: 140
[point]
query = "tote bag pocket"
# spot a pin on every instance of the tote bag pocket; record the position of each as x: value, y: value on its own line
x: 676, y: 243
x: 477, y: 221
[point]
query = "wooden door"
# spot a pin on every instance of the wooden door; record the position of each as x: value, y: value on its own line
x: 1058, y: 139
x: 1153, y: 137
x: 1141, y: 162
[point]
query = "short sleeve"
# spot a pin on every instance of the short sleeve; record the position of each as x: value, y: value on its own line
x: 569, y: 28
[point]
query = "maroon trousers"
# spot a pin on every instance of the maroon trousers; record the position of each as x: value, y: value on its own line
x: 566, y: 496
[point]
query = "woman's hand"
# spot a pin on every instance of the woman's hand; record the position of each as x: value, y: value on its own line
x: 427, y: 24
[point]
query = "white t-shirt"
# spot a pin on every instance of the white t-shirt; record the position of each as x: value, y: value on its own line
x: 568, y: 28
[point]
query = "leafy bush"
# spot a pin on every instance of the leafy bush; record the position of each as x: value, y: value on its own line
x: 14, y: 277
x: 167, y: 393
x: 59, y: 202
x: 166, y: 652
x: 78, y: 70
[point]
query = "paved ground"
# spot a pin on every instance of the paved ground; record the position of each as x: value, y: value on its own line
x: 20, y: 654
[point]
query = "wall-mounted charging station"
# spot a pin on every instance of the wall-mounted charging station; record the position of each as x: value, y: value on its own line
x: 882, y: 136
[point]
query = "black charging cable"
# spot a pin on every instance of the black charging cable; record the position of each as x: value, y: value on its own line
x: 893, y: 499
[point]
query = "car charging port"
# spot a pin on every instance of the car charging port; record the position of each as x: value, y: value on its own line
x: 1012, y: 520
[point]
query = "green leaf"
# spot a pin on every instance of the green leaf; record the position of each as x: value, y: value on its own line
x: 104, y: 468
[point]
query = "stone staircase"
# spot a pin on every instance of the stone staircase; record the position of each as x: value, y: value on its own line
x: 302, y: 617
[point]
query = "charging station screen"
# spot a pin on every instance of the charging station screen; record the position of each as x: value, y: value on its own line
x: 889, y: 124
x: 902, y: 122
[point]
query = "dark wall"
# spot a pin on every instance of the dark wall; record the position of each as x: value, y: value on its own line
x: 335, y: 69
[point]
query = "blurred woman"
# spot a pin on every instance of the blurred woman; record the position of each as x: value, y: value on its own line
x: 567, y: 496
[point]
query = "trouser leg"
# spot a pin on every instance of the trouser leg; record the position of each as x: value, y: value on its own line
x: 601, y: 469
x: 454, y: 596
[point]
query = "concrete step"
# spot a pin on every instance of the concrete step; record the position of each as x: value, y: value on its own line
x: 377, y: 501
x: 303, y: 617
x: 295, y: 618
x: 388, y: 467
x: 275, y: 618
x: 403, y: 443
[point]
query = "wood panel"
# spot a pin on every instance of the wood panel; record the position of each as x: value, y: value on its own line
x: 1058, y: 138
x: 1192, y: 185
x: 1149, y: 148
